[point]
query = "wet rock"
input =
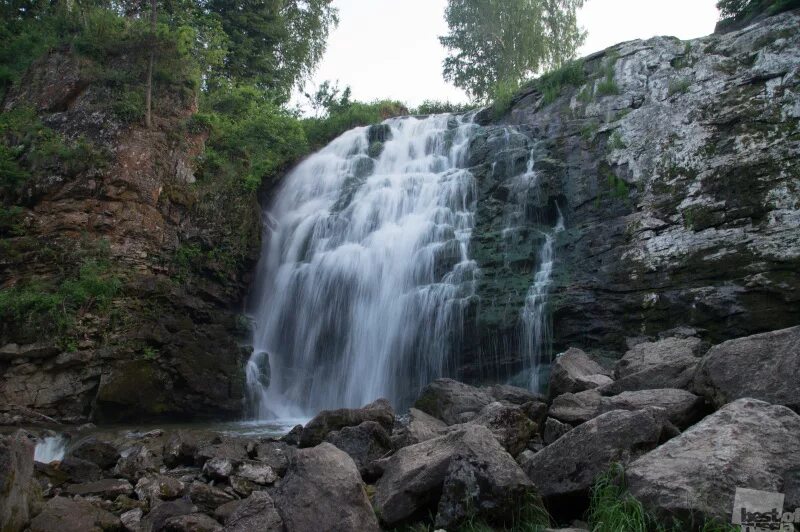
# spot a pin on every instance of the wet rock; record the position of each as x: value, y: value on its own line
x: 510, y: 426
x: 218, y: 468
x: 241, y: 486
x: 365, y: 443
x: 131, y: 519
x: 19, y: 493
x: 223, y: 448
x: 570, y: 464
x: 668, y: 363
x: 73, y: 515
x: 573, y: 371
x: 455, y: 402
x: 257, y: 512
x: 327, y: 421
x: 93, y: 450
x: 747, y: 443
x: 275, y: 454
x: 77, y: 470
x: 136, y: 462
x: 417, y: 427
x: 481, y: 481
x: 293, y: 436
x: 108, y: 488
x: 192, y: 523
x: 208, y: 498
x: 180, y: 449
x: 682, y: 407
x: 257, y: 472
x: 763, y: 366
x: 553, y: 430
x: 157, y: 488
x: 158, y: 516
x: 323, y: 485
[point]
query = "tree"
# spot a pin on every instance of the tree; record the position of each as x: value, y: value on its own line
x: 328, y: 98
x: 506, y: 41
x: 743, y: 11
x: 149, y: 94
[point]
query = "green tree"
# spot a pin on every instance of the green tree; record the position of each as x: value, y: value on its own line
x: 506, y: 41
x: 732, y: 11
x: 328, y: 98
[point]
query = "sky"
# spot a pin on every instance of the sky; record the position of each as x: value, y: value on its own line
x: 390, y: 48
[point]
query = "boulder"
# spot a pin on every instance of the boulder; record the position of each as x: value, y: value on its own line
x: 327, y: 421
x: 682, y: 407
x: 137, y: 462
x: 191, y: 523
x: 77, y: 470
x: 365, y: 443
x: 322, y: 486
x: 208, y: 498
x: 481, y: 481
x: 508, y: 424
x: 73, y: 515
x: 553, y: 430
x: 415, y: 476
x: 417, y: 427
x: 667, y: 363
x: 19, y: 492
x: 218, y: 468
x: 108, y: 488
x: 256, y: 512
x: 256, y: 472
x: 747, y: 443
x: 158, y: 516
x: 131, y: 519
x: 222, y: 448
x: 157, y: 488
x: 180, y: 449
x: 93, y: 450
x: 763, y: 366
x: 569, y: 465
x: 275, y: 454
x: 223, y: 512
x: 574, y: 371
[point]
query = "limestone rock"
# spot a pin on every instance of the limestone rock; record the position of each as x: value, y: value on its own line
x: 365, y: 443
x: 218, y: 468
x: 108, y: 488
x: 682, y: 407
x: 508, y: 424
x: 275, y: 454
x: 207, y: 498
x: 763, y: 366
x: 157, y: 488
x: 569, y: 465
x: 553, y: 430
x: 327, y: 421
x: 417, y: 427
x: 455, y: 402
x: 747, y: 443
x: 256, y: 472
x: 257, y: 512
x: 322, y: 485
x: 191, y: 523
x: 158, y: 516
x: 667, y: 363
x: 93, y: 450
x: 573, y: 371
x: 73, y: 515
x: 131, y: 519
x: 19, y: 493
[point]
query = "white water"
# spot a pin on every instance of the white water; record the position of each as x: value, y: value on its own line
x: 365, y: 274
x: 50, y: 449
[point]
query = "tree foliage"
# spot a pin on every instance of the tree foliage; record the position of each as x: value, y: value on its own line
x: 742, y: 11
x: 506, y: 41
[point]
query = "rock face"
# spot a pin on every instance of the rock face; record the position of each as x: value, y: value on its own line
x: 132, y: 214
x: 763, y: 366
x: 322, y: 486
x: 569, y: 465
x: 678, y: 183
x: 18, y: 491
x: 747, y: 443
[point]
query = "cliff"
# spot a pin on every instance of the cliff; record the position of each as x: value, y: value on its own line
x: 122, y: 271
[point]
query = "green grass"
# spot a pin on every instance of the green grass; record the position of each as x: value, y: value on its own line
x: 502, y: 96
x: 551, y: 84
x: 434, y: 107
x: 679, y: 86
x: 616, y: 142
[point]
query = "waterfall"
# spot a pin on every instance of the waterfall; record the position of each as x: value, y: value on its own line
x: 365, y: 275
x: 50, y: 449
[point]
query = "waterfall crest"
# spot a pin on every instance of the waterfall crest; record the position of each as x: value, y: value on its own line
x: 365, y: 276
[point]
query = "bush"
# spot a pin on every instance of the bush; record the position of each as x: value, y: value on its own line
x: 734, y: 13
x: 503, y: 95
x: 320, y: 131
x: 678, y: 86
x: 572, y: 74
x: 433, y: 107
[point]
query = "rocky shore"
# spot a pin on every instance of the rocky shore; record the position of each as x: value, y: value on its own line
x: 686, y: 423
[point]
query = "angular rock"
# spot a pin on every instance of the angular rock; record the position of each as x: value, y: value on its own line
x: 570, y: 464
x: 131, y: 519
x: 763, y: 366
x: 414, y: 476
x: 137, y: 462
x: 365, y: 443
x: 256, y: 472
x: 93, y: 450
x: 109, y: 488
x: 667, y: 363
x: 73, y: 515
x: 417, y: 427
x: 208, y: 498
x: 747, y: 443
x: 682, y: 407
x: 553, y: 430
x: 508, y: 424
x: 180, y: 449
x: 257, y: 512
x: 482, y: 481
x: 19, y: 492
x: 327, y: 421
x: 191, y: 523
x: 451, y: 401
x: 574, y: 371
x: 223, y: 512
x: 322, y: 485
x: 158, y: 516
x: 77, y: 470
x: 218, y: 468
x: 276, y: 454
x: 157, y: 488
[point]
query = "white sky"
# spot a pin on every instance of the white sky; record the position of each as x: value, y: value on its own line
x: 390, y: 48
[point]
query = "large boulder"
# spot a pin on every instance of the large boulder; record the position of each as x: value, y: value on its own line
x: 192, y: 523
x: 682, y: 407
x: 569, y: 465
x: 455, y: 402
x: 256, y: 512
x: 323, y: 486
x: 763, y: 366
x: 415, y: 479
x: 747, y: 443
x: 667, y: 363
x: 18, y: 490
x: 417, y: 427
x: 102, y: 453
x: 276, y: 454
x: 156, y: 520
x: 73, y: 515
x: 327, y: 421
x: 574, y: 371
x: 206, y: 497
x: 365, y: 443
x: 508, y: 424
x: 108, y: 488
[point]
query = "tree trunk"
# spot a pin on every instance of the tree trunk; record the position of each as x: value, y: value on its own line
x: 148, y: 102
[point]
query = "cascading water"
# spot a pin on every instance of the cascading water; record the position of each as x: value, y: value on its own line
x: 365, y: 277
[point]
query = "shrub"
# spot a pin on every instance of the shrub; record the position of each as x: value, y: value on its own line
x: 503, y: 95
x: 320, y: 131
x: 734, y: 13
x: 432, y: 107
x: 572, y: 74
x: 678, y: 86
